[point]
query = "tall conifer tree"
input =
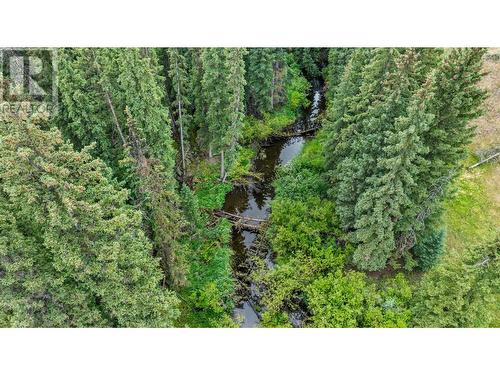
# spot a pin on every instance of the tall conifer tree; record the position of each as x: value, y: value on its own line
x: 179, y: 77
x: 338, y: 58
x: 72, y: 251
x: 235, y: 69
x: 259, y: 76
x: 120, y: 90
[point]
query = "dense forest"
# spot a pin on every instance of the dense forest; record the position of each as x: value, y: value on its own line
x: 158, y: 194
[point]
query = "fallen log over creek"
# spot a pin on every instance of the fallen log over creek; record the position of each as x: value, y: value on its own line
x: 242, y: 222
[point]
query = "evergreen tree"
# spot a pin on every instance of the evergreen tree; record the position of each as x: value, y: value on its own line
x: 387, y: 151
x: 353, y: 160
x: 196, y: 96
x: 179, y: 77
x: 389, y: 158
x: 338, y: 58
x: 259, y: 76
x: 340, y: 114
x: 386, y: 208
x: 429, y: 247
x: 462, y: 292
x: 114, y: 98
x: 235, y: 68
x: 453, y: 99
x: 216, y: 95
x: 308, y: 64
x: 223, y: 86
x: 72, y: 252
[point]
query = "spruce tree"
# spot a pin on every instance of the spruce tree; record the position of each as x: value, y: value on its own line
x: 454, y: 99
x: 308, y: 64
x: 338, y: 58
x: 216, y: 96
x: 179, y: 78
x: 340, y: 113
x: 196, y: 98
x: 259, y: 76
x: 353, y: 158
x: 392, y: 148
x: 386, y: 209
x: 114, y: 98
x: 235, y: 81
x: 72, y: 251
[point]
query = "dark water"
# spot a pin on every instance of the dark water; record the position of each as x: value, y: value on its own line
x: 255, y: 201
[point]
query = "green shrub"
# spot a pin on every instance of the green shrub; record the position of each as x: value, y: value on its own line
x: 301, y: 226
x: 337, y: 300
x: 388, y: 305
x: 349, y: 300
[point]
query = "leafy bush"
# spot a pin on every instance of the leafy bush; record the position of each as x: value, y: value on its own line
x: 241, y: 167
x: 350, y: 300
x: 389, y: 304
x: 337, y: 300
x: 301, y: 226
x: 303, y: 177
x: 297, y: 89
x: 207, y: 297
x: 210, y: 192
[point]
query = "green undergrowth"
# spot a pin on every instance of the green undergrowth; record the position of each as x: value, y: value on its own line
x: 241, y: 168
x: 310, y: 272
x: 296, y: 90
x: 208, y: 188
x: 207, y: 297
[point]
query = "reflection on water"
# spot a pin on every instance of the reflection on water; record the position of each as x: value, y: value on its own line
x: 255, y: 201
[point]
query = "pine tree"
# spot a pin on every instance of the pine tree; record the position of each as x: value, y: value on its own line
x: 259, y: 76
x: 386, y: 209
x: 389, y: 157
x: 308, y: 64
x: 72, y: 251
x: 340, y: 114
x: 179, y: 78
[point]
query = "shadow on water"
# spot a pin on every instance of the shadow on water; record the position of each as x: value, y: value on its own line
x: 255, y: 201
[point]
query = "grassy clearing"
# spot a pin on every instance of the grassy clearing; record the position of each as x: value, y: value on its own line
x: 473, y: 214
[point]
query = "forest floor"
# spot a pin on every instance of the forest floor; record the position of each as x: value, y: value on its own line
x: 473, y: 214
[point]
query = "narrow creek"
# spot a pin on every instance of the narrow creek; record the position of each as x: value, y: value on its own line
x: 254, y: 201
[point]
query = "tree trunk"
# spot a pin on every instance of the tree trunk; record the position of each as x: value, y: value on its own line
x: 222, y: 167
x: 183, y: 155
x: 484, y: 161
x: 210, y: 151
x: 272, y: 88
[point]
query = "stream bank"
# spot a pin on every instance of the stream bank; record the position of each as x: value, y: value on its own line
x: 254, y: 200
